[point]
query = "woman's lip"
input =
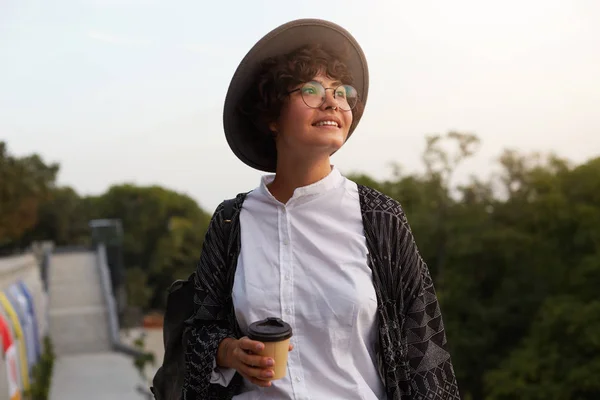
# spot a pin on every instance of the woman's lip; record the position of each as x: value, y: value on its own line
x: 326, y: 126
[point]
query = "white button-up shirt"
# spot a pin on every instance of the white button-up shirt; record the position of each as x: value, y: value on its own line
x: 306, y: 263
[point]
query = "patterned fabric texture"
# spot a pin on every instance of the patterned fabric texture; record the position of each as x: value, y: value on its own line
x: 413, y: 359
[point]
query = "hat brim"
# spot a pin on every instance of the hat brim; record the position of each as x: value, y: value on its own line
x: 244, y: 139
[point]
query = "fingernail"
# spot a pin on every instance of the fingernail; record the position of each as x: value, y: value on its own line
x: 269, y: 374
x: 259, y: 347
x: 270, y: 362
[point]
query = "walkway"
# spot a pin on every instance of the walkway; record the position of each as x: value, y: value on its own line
x: 86, y: 366
x: 102, y: 376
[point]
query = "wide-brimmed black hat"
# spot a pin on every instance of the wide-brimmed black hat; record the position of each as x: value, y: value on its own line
x: 244, y: 138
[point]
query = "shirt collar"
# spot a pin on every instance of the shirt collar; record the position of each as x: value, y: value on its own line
x: 331, y: 181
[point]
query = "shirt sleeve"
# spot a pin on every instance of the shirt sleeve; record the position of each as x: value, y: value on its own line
x: 221, y: 376
x: 430, y: 369
x: 211, y: 323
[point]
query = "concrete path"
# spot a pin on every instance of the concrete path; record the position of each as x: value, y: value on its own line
x: 102, y: 376
x: 78, y: 311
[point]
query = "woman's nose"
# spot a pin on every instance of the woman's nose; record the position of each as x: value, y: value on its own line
x: 330, y: 100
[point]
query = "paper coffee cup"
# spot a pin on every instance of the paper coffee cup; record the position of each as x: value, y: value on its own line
x: 275, y: 334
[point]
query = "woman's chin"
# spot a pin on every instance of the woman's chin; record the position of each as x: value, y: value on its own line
x: 333, y: 138
x: 330, y: 146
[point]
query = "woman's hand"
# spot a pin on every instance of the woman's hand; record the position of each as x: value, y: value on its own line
x: 240, y: 354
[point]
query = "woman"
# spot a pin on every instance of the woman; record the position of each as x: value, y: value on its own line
x: 334, y: 259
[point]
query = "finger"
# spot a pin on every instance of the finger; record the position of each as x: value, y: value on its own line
x: 291, y: 347
x: 256, y: 361
x: 251, y: 345
x: 260, y: 382
x: 258, y: 373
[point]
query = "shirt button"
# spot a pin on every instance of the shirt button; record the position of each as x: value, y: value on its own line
x: 298, y: 379
x: 286, y: 242
x: 288, y: 310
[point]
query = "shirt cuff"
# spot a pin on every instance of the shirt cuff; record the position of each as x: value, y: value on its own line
x: 221, y: 376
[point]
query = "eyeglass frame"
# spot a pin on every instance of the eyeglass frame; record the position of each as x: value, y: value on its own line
x: 324, y: 97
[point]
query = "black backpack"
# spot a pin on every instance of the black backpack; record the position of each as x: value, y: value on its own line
x: 167, y: 383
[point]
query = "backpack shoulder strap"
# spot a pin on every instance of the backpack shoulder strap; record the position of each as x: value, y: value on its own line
x: 228, y: 209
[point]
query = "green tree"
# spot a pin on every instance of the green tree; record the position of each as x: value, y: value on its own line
x: 25, y: 182
x: 62, y: 217
x: 517, y: 255
x: 150, y: 242
x: 175, y: 256
x: 137, y: 289
x: 559, y: 358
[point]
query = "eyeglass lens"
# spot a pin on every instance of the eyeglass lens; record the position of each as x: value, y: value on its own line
x: 313, y: 94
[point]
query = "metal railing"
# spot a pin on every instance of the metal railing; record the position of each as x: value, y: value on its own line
x: 109, y: 298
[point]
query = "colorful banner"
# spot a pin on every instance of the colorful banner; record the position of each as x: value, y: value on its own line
x: 12, y: 360
x: 31, y: 310
x: 12, y: 368
x: 21, y: 306
x: 19, y: 339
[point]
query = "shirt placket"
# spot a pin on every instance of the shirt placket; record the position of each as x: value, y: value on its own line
x: 296, y: 375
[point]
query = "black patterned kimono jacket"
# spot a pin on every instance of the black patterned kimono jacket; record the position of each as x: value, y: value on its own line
x: 413, y: 359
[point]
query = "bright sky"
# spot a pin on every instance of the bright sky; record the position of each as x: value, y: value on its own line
x: 132, y: 90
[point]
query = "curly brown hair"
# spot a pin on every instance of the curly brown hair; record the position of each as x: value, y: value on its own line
x: 278, y: 75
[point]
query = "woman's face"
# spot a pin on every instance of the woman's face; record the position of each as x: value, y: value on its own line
x: 311, y: 132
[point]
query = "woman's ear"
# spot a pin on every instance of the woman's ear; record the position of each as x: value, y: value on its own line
x: 273, y: 127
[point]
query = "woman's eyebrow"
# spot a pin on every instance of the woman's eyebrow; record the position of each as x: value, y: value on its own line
x: 334, y: 84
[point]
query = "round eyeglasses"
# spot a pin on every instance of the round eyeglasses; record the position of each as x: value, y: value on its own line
x: 313, y: 95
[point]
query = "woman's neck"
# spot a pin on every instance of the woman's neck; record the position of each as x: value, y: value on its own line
x: 290, y: 175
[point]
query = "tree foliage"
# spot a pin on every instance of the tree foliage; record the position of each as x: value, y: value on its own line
x: 162, y: 229
x: 25, y: 182
x: 516, y: 262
